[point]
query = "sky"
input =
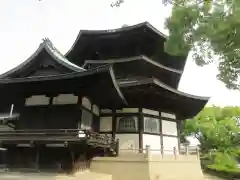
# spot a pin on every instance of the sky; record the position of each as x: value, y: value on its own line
x: 25, y: 23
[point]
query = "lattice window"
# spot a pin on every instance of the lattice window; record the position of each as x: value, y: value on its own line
x: 128, y: 123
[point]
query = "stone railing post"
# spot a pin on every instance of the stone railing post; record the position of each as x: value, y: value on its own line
x: 175, y: 152
x: 162, y: 151
x: 186, y: 150
x: 198, y: 154
x: 147, y: 153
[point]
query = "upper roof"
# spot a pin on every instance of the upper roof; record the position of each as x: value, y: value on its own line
x: 124, y: 42
x: 139, y: 66
x: 47, y: 50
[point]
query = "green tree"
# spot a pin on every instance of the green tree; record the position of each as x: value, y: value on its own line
x: 217, y: 131
x: 211, y: 29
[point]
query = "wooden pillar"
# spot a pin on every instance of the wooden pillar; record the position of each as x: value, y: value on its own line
x: 37, y: 159
x: 179, y: 133
x: 114, y: 123
x: 6, y: 159
x: 140, y: 129
x: 73, y: 160
x: 161, y: 135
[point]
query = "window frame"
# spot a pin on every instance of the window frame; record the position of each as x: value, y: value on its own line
x: 91, y: 121
x: 123, y: 129
x: 158, y: 125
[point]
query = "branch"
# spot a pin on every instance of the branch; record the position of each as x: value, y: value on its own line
x: 117, y: 3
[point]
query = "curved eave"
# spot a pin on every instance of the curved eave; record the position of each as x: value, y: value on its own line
x: 98, y: 84
x: 114, y: 31
x: 134, y: 58
x: 112, y: 74
x: 154, y: 81
x: 141, y: 66
x: 160, y: 84
x: 55, y: 55
x: 151, y: 93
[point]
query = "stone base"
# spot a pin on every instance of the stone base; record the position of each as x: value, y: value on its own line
x: 134, y: 166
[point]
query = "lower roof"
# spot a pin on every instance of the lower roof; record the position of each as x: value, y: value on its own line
x: 153, y: 94
x: 102, y: 87
x: 44, y: 56
x: 97, y: 84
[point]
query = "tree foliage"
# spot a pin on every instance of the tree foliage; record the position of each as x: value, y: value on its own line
x: 218, y: 133
x: 211, y: 29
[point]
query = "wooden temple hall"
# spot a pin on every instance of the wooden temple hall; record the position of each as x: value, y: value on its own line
x: 113, y: 90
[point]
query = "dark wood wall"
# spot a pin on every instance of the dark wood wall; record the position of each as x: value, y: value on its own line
x: 49, y: 117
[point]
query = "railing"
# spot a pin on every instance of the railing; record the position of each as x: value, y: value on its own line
x: 39, y: 134
x: 92, y: 138
x: 162, y: 153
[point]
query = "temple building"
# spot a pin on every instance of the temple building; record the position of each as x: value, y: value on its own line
x: 113, y: 90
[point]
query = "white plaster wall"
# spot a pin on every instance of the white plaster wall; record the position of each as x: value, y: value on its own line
x: 55, y: 145
x: 86, y: 103
x: 168, y: 115
x: 128, y: 110
x: 86, y: 120
x: 37, y: 100
x: 169, y: 143
x: 154, y: 141
x: 6, y: 128
x: 95, y: 109
x: 128, y: 141
x: 106, y: 111
x: 169, y: 128
x: 105, y: 123
x: 65, y: 99
x: 152, y: 112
